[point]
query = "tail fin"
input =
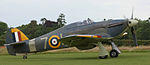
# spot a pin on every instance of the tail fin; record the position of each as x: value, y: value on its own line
x: 15, y: 35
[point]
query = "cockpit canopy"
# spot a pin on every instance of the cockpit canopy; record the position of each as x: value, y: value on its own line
x: 84, y: 22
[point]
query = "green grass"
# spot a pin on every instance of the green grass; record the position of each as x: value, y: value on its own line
x: 126, y: 58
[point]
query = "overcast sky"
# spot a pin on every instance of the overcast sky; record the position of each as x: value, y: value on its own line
x: 18, y: 12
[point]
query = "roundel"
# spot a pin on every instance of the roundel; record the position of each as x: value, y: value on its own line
x: 53, y: 41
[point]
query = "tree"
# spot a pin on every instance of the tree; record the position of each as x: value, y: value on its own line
x: 43, y: 20
x: 30, y: 29
x: 61, y: 20
x: 143, y: 30
x: 33, y: 30
x: 33, y: 23
x: 3, y: 28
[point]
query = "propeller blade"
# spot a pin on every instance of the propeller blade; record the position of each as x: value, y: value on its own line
x: 132, y: 14
x: 134, y: 36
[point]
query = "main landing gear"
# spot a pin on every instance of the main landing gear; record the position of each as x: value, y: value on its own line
x: 115, y: 51
x: 103, y: 54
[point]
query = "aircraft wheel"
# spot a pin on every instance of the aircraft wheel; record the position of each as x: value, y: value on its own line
x: 24, y: 57
x: 103, y: 57
x: 114, y: 53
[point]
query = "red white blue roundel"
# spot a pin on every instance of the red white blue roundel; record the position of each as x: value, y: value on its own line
x: 53, y: 41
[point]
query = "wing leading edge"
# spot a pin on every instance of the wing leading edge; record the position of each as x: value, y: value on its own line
x: 89, y: 36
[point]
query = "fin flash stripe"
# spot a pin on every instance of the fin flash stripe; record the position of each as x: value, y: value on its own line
x: 18, y: 35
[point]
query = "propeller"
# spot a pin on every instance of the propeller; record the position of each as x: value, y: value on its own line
x: 132, y: 14
x: 134, y: 36
x: 133, y: 30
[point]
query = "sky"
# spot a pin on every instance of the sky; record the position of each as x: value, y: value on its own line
x: 18, y: 12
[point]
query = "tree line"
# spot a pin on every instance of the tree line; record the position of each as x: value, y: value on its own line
x: 34, y: 29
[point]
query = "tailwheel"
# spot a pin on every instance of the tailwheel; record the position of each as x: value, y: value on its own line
x: 114, y: 53
x: 25, y: 57
x: 103, y: 57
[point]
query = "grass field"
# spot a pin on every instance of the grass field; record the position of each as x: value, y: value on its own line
x: 83, y: 58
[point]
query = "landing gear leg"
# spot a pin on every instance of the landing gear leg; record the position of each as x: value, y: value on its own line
x: 103, y: 54
x: 115, y: 50
x: 25, y: 56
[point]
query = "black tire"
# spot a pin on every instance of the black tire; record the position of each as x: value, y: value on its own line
x: 25, y: 57
x: 103, y: 57
x: 113, y: 53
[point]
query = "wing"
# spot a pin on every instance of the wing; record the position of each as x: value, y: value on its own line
x: 82, y: 42
x: 103, y: 36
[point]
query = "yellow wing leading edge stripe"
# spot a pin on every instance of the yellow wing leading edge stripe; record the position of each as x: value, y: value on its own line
x: 90, y: 36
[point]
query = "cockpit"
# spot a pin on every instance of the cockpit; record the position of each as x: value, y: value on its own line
x: 84, y: 22
x: 88, y: 21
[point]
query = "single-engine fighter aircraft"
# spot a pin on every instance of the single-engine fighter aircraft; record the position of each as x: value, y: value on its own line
x: 70, y: 35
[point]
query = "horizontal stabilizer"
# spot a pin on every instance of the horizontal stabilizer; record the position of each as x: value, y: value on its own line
x: 16, y: 43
